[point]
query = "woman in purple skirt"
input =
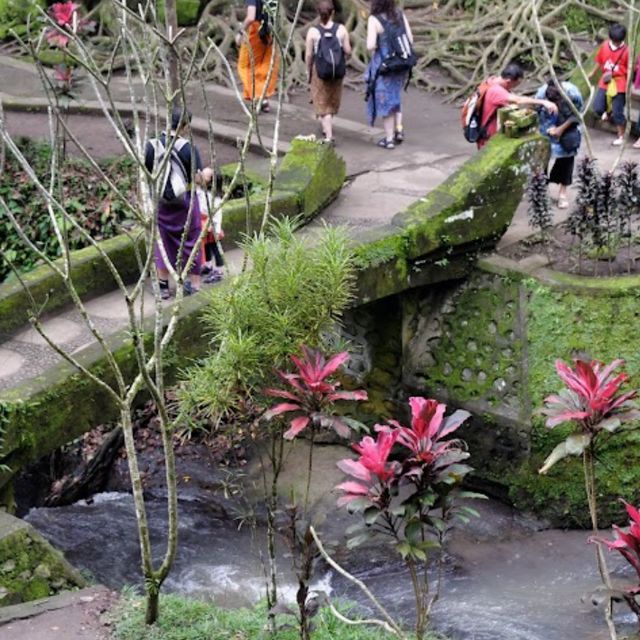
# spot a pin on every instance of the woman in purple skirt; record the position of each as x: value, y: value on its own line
x: 177, y: 211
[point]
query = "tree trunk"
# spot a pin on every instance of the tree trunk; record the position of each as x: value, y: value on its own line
x: 151, y: 614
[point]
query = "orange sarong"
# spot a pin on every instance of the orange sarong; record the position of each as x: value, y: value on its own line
x: 254, y: 78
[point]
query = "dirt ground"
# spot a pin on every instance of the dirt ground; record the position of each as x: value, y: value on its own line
x: 80, y: 616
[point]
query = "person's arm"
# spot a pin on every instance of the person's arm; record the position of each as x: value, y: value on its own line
x: 407, y: 28
x: 372, y: 33
x: 308, y: 54
x: 346, y: 42
x: 514, y: 98
x: 249, y: 18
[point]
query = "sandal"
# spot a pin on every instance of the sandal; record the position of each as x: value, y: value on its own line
x: 266, y: 107
x: 386, y: 144
x: 398, y: 136
x: 563, y: 203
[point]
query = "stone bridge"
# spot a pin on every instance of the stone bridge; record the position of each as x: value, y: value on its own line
x: 437, y: 238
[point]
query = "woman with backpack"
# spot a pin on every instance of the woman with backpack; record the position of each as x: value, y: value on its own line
x: 563, y: 130
x: 256, y: 51
x: 389, y: 40
x: 327, y: 47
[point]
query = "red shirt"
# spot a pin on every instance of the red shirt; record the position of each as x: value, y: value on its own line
x: 495, y: 98
x: 614, y: 61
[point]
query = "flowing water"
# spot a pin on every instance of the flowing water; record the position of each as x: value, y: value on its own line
x: 504, y: 580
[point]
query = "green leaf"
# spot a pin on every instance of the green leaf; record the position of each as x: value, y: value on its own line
x: 356, y: 541
x: 413, y: 531
x: 574, y: 445
x: 403, y: 548
x: 371, y: 515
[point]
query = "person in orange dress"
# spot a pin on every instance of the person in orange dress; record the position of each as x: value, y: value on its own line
x: 256, y: 51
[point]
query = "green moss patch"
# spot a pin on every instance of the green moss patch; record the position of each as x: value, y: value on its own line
x: 313, y: 171
x: 30, y: 568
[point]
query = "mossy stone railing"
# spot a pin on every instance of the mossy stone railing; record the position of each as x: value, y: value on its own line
x: 309, y: 177
x: 438, y: 237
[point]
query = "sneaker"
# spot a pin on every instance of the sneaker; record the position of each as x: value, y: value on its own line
x: 398, y: 136
x: 214, y: 276
x: 189, y: 289
x: 206, y: 270
x: 563, y: 203
x: 618, y: 142
x: 165, y: 294
x: 604, y: 117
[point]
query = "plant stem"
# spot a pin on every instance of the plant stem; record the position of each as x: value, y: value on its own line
x: 590, y: 487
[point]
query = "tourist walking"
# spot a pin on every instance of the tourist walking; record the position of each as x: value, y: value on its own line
x: 327, y: 47
x: 563, y: 130
x: 178, y: 214
x: 387, y: 31
x: 256, y: 52
x: 498, y: 93
x: 612, y: 59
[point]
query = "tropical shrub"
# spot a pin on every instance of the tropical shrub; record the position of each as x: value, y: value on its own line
x: 593, y: 404
x: 311, y: 394
x: 293, y: 294
x: 406, y: 484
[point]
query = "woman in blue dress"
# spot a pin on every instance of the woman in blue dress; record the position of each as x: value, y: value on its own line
x: 563, y: 130
x: 385, y: 91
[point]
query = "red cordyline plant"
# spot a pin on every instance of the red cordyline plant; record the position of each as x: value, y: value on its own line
x: 592, y: 401
x: 311, y: 395
x: 68, y: 21
x: 310, y: 398
x: 406, y: 483
x: 628, y: 545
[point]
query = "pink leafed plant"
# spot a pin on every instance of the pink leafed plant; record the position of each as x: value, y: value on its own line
x: 592, y: 401
x: 406, y: 484
x: 627, y: 543
x: 63, y: 13
x: 311, y: 393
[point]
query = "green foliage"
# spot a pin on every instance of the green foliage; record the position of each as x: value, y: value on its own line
x: 15, y: 13
x: 186, y: 619
x: 578, y: 20
x: 85, y: 196
x: 292, y: 295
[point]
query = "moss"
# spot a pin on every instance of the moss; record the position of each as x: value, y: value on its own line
x: 313, y: 171
x: 477, y: 201
x: 235, y: 215
x: 567, y: 325
x: 88, y: 271
x: 30, y: 568
x: 188, y: 11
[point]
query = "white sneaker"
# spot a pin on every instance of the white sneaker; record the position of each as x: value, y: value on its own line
x: 604, y: 117
x: 618, y: 142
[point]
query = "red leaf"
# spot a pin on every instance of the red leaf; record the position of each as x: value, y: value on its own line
x: 281, y: 408
x: 297, y: 425
x: 347, y: 395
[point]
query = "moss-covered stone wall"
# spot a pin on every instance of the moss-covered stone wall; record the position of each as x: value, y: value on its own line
x: 490, y: 344
x: 30, y: 568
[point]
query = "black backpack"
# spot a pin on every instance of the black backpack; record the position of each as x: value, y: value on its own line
x: 400, y: 54
x: 329, y: 55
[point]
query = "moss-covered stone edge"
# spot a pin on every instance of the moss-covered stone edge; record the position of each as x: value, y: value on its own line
x: 30, y: 568
x: 468, y: 211
x: 56, y: 407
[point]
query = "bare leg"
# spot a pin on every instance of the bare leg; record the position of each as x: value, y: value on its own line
x: 389, y: 126
x: 327, y: 126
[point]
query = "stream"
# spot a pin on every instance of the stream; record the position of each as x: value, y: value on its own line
x: 504, y: 579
